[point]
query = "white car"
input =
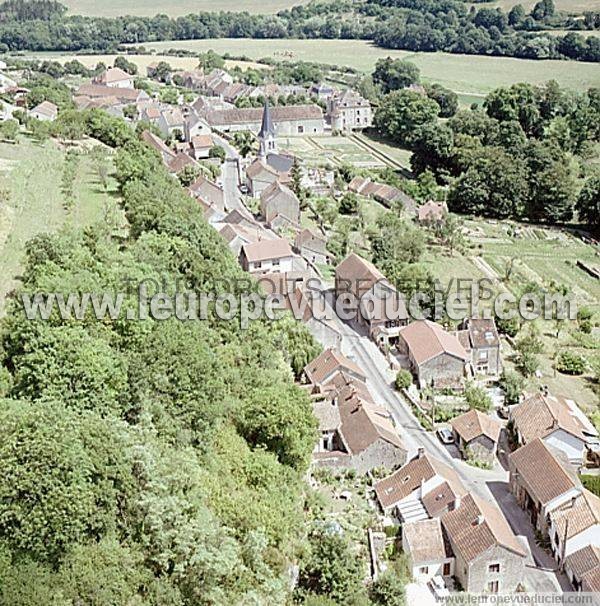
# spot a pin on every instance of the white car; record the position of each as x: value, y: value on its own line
x: 445, y: 435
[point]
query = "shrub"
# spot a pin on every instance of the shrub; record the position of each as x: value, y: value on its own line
x: 570, y: 363
x: 477, y: 398
x: 512, y: 384
x: 403, y: 379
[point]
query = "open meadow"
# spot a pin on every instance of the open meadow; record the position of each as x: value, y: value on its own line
x: 31, y: 201
x: 174, y: 8
x: 142, y: 61
x: 569, y: 6
x: 470, y: 74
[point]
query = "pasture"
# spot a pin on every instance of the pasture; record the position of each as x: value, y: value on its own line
x: 173, y: 8
x: 466, y: 74
x: 31, y: 201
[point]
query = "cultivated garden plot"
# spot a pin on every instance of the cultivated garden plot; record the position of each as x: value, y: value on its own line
x: 321, y: 151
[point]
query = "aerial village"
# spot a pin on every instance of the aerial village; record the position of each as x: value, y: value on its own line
x: 486, y: 499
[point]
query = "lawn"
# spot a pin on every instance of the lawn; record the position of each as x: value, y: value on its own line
x: 466, y: 74
x: 174, y: 8
x: 32, y: 202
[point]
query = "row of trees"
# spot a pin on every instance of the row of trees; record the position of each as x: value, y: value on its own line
x: 521, y: 155
x: 420, y: 26
x: 148, y: 462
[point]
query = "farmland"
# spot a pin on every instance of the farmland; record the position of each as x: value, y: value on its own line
x: 173, y: 8
x: 142, y: 61
x: 32, y: 203
x: 570, y: 6
x: 467, y: 74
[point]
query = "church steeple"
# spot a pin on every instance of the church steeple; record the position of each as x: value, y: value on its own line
x: 266, y: 136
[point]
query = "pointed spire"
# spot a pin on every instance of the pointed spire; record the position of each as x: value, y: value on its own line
x: 267, y: 128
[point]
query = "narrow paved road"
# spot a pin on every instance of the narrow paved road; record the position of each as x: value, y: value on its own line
x: 490, y: 485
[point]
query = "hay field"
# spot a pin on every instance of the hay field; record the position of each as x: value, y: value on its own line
x: 466, y: 74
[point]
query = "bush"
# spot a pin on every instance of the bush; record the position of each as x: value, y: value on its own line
x: 512, y: 384
x: 403, y: 379
x: 477, y: 398
x: 592, y: 483
x: 570, y: 363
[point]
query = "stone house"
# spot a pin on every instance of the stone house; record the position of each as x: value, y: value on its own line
x: 575, y: 525
x: 259, y: 177
x: 323, y: 369
x: 423, y: 488
x: 166, y: 153
x: 115, y: 77
x: 46, y: 111
x: 312, y: 246
x: 209, y: 192
x: 200, y: 146
x: 432, y: 213
x: 348, y: 111
x: 477, y: 434
x: 488, y: 556
x: 280, y: 207
x: 582, y: 567
x: 365, y: 437
x: 480, y: 338
x: 435, y: 357
x: 289, y: 120
x: 373, y: 301
x: 428, y: 551
x: 557, y: 421
x: 542, y: 480
x: 171, y: 123
x: 267, y: 256
x: 194, y: 126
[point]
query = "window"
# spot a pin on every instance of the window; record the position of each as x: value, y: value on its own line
x: 275, y: 262
x: 493, y: 586
x: 257, y: 265
x: 424, y: 570
x: 446, y: 571
x: 494, y: 568
x: 300, y: 129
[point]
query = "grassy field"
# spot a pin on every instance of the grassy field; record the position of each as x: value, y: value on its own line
x: 142, y: 61
x: 174, y: 8
x: 32, y: 202
x: 466, y: 74
x: 569, y: 6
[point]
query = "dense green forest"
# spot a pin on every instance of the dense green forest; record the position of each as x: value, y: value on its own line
x: 529, y: 152
x: 419, y: 25
x: 148, y: 462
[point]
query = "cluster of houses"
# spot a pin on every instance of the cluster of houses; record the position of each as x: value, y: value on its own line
x: 448, y: 532
x: 436, y: 357
x: 345, y: 110
x: 355, y: 431
x: 547, y: 487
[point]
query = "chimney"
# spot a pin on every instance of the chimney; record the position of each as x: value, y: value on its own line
x: 420, y: 453
x: 573, y: 501
x: 480, y: 520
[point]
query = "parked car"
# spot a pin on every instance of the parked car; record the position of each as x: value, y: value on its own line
x: 445, y: 435
x: 438, y: 588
